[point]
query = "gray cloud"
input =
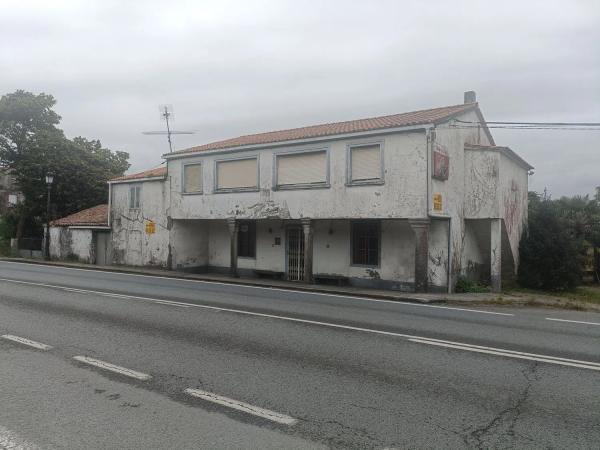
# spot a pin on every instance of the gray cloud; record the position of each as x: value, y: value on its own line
x: 231, y: 68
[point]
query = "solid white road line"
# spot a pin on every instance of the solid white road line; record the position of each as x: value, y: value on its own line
x: 28, y: 342
x: 573, y: 321
x: 510, y: 354
x: 348, y: 297
x: 112, y: 368
x: 241, y: 406
x: 503, y: 350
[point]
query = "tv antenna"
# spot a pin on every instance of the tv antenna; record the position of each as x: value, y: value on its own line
x: 166, y: 114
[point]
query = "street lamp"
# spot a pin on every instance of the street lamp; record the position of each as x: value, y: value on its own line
x: 49, y: 181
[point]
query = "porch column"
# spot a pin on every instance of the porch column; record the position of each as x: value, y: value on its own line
x: 496, y: 254
x: 308, y: 250
x: 421, y: 229
x: 233, y: 226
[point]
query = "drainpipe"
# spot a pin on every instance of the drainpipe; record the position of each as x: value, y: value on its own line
x: 449, y: 268
x: 109, y: 203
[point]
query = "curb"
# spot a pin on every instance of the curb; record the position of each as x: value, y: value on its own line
x: 239, y: 281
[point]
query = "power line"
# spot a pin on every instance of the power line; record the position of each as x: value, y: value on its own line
x: 577, y: 124
x: 508, y: 127
x: 573, y: 126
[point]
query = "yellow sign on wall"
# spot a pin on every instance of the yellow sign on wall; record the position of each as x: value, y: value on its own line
x: 437, y: 202
x: 150, y: 227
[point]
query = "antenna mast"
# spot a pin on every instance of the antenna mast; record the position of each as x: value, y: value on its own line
x: 166, y: 112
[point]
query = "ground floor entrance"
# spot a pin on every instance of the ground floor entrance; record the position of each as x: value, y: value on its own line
x: 294, y: 254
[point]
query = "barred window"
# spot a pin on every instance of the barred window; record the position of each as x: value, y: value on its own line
x: 247, y: 239
x: 366, y: 237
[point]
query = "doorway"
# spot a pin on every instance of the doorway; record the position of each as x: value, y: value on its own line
x: 295, y: 254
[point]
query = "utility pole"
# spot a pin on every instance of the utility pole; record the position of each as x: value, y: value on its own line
x: 49, y: 181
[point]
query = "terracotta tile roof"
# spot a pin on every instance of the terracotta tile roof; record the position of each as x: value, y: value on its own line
x: 426, y: 116
x: 152, y: 173
x: 96, y: 216
x: 507, y: 151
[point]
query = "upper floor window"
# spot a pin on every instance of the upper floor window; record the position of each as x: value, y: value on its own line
x: 236, y: 174
x: 135, y: 192
x: 302, y: 169
x: 192, y: 178
x: 365, y: 164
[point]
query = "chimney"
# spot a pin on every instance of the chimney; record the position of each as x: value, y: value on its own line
x: 470, y: 97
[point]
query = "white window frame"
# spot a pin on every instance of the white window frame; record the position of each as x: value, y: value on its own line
x: 376, y: 181
x: 183, y: 166
x: 136, y: 200
x: 218, y: 190
x: 317, y: 185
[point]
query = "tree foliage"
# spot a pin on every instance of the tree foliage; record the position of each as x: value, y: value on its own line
x: 31, y: 145
x: 559, y: 232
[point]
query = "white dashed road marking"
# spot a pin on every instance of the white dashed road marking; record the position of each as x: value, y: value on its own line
x: 27, y: 342
x: 573, y: 321
x: 241, y: 406
x: 10, y: 441
x: 112, y: 367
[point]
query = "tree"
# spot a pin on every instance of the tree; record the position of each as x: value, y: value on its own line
x: 31, y: 145
x: 550, y: 251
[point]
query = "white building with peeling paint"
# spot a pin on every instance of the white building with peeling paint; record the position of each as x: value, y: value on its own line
x: 408, y: 201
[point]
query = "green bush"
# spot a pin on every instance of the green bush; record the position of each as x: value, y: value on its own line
x: 550, y: 254
x: 464, y: 285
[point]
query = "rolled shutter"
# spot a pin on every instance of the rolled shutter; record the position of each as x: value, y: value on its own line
x: 302, y: 168
x: 366, y: 162
x: 192, y: 177
x: 240, y: 173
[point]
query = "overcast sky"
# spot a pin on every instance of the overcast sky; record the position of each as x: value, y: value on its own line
x: 232, y: 68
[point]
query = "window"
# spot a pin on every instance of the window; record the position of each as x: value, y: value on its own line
x: 237, y: 174
x: 247, y: 239
x: 302, y: 169
x: 366, y: 236
x: 365, y: 164
x: 134, y: 196
x: 192, y: 178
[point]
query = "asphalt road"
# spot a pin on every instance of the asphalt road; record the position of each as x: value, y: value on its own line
x: 188, y: 364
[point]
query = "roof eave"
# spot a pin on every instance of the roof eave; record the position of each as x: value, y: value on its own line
x: 328, y: 137
x: 138, y: 180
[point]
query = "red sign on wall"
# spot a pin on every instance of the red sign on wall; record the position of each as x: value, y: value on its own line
x: 441, y: 165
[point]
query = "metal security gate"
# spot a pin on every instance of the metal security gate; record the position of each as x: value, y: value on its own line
x: 295, y: 254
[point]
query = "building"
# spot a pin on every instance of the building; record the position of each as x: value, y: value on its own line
x: 10, y: 195
x: 407, y: 201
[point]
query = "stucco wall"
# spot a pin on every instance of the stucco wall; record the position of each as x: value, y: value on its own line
x: 190, y: 244
x: 131, y: 244
x: 451, y: 140
x: 69, y: 243
x: 437, y: 266
x: 513, y: 192
x: 403, y: 194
